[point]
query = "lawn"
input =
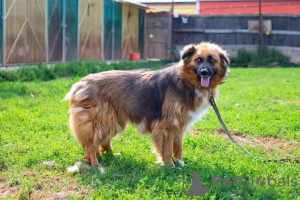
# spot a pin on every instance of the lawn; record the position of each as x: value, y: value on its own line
x: 260, y: 106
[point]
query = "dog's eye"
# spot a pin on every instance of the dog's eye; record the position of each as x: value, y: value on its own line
x: 198, y: 60
x: 211, y: 59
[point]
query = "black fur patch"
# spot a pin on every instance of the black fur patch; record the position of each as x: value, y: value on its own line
x: 144, y: 98
x: 225, y: 61
x: 187, y: 54
x: 155, y: 104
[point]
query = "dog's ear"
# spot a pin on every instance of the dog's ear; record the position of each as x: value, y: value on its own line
x: 224, y: 60
x: 188, y: 52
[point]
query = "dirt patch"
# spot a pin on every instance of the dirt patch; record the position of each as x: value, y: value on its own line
x: 51, y: 187
x: 283, y: 102
x: 58, y: 187
x: 6, y: 190
x: 197, y: 132
x: 268, y: 143
x: 55, y: 196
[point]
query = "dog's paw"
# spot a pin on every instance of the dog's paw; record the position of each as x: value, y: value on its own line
x: 101, y: 169
x: 180, y: 162
x: 176, y: 167
x: 75, y: 168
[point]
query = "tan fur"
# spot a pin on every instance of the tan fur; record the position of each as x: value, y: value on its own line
x: 102, y: 104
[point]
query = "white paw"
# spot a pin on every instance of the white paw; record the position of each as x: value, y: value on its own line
x: 73, y: 169
x: 49, y: 163
x: 101, y: 169
x: 181, y: 162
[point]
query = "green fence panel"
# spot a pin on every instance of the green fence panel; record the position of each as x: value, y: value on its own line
x: 62, y: 30
x: 72, y: 36
x: 54, y: 25
x: 141, y: 40
x: 108, y: 5
x: 112, y: 30
x: 117, y: 31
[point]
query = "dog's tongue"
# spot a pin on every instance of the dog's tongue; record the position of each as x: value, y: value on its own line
x: 205, y: 81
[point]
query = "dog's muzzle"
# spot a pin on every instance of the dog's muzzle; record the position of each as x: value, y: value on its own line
x: 205, y: 75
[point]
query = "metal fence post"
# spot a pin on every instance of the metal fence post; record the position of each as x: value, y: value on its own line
x: 3, y: 32
x: 63, y: 25
x: 260, y: 26
x: 47, y: 32
x: 78, y: 28
x: 113, y: 31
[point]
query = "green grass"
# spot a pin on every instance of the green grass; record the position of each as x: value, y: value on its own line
x: 256, y: 102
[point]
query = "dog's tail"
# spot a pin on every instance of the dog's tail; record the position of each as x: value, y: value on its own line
x: 77, y: 91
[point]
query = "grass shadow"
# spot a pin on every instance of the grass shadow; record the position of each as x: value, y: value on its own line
x: 127, y: 173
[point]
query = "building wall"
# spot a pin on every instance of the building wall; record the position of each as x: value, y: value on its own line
x: 130, y: 30
x: 90, y: 30
x: 232, y: 7
x: 112, y: 30
x: 62, y: 30
x: 54, y: 21
x: 249, y: 7
x: 33, y: 31
x: 71, y: 37
x: 158, y: 35
x: 181, y: 8
x: 25, y: 31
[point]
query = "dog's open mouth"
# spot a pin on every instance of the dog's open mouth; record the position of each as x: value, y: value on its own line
x: 205, y: 81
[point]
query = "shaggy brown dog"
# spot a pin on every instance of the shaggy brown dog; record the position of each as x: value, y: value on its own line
x: 164, y: 103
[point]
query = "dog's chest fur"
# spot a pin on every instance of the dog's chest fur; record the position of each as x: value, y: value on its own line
x: 201, y: 108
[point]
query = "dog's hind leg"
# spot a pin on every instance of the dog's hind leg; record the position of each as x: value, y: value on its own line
x: 105, y: 147
x: 110, y: 123
x: 84, y: 128
x: 91, y: 155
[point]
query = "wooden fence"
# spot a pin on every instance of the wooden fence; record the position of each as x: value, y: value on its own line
x: 279, y: 30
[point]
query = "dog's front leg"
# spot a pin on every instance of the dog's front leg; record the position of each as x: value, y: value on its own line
x: 177, y: 148
x: 163, y: 146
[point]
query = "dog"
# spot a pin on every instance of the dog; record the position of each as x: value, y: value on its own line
x: 165, y: 103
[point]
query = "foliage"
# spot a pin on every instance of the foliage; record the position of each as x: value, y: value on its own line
x: 264, y: 56
x: 42, y: 72
x: 256, y: 102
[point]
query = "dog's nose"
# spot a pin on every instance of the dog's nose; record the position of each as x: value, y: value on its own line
x: 204, y: 72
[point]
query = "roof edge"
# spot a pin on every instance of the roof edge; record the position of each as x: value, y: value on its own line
x: 139, y: 5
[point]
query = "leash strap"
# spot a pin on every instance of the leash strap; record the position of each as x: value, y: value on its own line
x: 213, y: 104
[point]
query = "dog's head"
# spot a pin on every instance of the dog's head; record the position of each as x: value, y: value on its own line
x: 204, y: 65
